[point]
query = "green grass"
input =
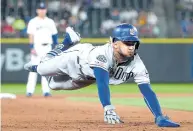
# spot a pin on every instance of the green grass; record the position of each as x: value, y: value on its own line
x: 177, y: 103
x: 124, y: 88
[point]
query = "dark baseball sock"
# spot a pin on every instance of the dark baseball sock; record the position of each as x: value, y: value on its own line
x: 67, y: 40
x: 34, y: 68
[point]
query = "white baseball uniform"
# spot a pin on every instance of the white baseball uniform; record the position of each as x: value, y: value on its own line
x: 42, y: 31
x: 72, y: 69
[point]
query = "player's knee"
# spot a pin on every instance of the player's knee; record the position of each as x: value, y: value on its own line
x: 53, y: 86
x: 56, y: 86
x: 61, y: 86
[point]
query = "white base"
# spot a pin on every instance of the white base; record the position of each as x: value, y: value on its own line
x: 7, y: 96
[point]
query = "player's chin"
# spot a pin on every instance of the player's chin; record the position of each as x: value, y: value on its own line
x: 130, y: 54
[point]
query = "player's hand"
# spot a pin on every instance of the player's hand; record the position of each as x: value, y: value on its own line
x: 33, y: 52
x: 110, y: 115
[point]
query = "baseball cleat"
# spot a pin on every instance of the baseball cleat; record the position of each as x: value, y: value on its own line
x: 164, y: 121
x: 29, y: 94
x: 74, y: 36
x: 71, y: 37
x: 47, y: 94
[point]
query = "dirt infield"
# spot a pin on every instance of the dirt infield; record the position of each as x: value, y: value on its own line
x: 58, y: 114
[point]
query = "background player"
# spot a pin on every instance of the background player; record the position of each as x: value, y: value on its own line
x: 42, y: 36
x: 112, y: 63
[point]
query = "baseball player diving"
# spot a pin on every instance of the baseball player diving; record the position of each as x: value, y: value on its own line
x: 42, y: 36
x: 72, y: 65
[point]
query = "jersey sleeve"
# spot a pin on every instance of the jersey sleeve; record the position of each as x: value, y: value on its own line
x: 31, y: 28
x: 98, y: 58
x: 141, y: 74
x: 53, y: 28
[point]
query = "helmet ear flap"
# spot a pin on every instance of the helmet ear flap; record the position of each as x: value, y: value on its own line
x: 113, y: 40
x: 137, y: 45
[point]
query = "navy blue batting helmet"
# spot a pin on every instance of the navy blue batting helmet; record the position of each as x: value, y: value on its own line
x: 126, y: 32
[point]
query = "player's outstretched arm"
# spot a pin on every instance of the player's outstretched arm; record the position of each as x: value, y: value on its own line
x: 154, y: 106
x: 102, y: 80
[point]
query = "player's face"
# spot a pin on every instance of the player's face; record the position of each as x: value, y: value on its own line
x: 124, y: 49
x: 127, y: 48
x: 41, y: 12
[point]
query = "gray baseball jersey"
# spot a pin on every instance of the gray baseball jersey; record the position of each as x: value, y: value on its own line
x: 77, y: 62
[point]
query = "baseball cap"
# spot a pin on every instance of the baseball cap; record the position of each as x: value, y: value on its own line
x: 41, y: 5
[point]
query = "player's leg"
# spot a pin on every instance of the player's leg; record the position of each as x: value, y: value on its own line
x: 51, y: 67
x: 45, y: 87
x: 41, y: 51
x: 32, y: 77
x: 31, y: 83
x: 70, y: 39
x: 64, y: 82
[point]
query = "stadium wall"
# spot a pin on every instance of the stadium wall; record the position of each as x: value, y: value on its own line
x: 167, y: 60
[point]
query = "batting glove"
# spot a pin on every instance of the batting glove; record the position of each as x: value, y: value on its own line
x: 110, y: 115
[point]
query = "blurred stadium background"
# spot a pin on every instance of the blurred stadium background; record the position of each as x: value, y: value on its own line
x: 165, y: 26
x: 96, y: 18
